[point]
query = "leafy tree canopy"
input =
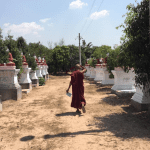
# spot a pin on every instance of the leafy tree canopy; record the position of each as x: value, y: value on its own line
x: 1, y: 34
x: 22, y: 45
x: 102, y: 51
x: 12, y: 46
x: 112, y: 60
x: 31, y: 61
x: 135, y: 41
x: 3, y: 54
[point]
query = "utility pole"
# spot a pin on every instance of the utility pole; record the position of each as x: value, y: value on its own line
x: 80, y: 50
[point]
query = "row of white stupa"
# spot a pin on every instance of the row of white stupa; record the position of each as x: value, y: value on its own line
x: 42, y: 70
x: 123, y: 84
x: 29, y: 75
x: 11, y: 87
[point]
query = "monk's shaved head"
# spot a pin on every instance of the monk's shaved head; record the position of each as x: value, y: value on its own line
x: 77, y: 66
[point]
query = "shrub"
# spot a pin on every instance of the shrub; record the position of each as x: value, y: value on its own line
x: 111, y: 75
x: 92, y: 62
x: 41, y: 81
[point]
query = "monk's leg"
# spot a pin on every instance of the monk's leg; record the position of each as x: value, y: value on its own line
x: 83, y: 107
x: 78, y: 111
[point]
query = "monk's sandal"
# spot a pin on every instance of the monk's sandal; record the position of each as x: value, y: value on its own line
x: 83, y: 108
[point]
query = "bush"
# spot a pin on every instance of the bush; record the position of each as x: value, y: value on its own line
x: 41, y: 81
x: 92, y: 62
x: 111, y: 75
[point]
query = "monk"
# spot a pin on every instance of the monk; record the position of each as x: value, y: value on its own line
x: 78, y: 100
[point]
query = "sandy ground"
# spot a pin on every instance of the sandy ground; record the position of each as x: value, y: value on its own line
x: 44, y: 120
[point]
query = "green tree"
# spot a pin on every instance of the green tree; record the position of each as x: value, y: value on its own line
x: 65, y: 55
x: 3, y: 53
x: 74, y: 56
x: 57, y: 59
x: 38, y: 49
x: 49, y: 59
x: 1, y: 36
x: 42, y: 51
x: 112, y: 60
x: 31, y: 61
x: 88, y: 49
x: 10, y: 42
x: 83, y: 43
x: 3, y: 48
x: 101, y: 51
x: 92, y: 62
x: 22, y: 45
x: 12, y: 46
x: 33, y: 48
x: 135, y: 41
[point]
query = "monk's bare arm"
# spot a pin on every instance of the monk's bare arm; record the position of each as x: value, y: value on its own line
x: 69, y: 86
x: 83, y: 69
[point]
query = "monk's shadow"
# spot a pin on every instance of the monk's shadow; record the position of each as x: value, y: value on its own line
x: 69, y: 114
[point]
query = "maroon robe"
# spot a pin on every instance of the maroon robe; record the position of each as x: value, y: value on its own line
x: 77, y: 89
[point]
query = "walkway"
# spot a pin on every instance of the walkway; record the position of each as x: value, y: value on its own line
x: 44, y: 120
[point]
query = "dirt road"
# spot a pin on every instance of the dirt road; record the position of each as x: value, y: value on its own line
x: 44, y: 120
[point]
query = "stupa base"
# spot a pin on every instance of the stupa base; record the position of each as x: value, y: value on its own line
x: 14, y: 94
x: 26, y: 91
x: 125, y: 93
x: 35, y: 82
x: 26, y: 85
x: 91, y: 79
x: 139, y: 106
x: 47, y: 76
x: 108, y: 82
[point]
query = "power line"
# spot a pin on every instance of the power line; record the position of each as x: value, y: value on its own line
x: 92, y: 19
x: 88, y: 15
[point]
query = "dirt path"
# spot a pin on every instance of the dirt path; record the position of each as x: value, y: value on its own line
x: 44, y: 120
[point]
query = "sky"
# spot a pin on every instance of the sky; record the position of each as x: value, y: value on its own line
x: 51, y: 20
